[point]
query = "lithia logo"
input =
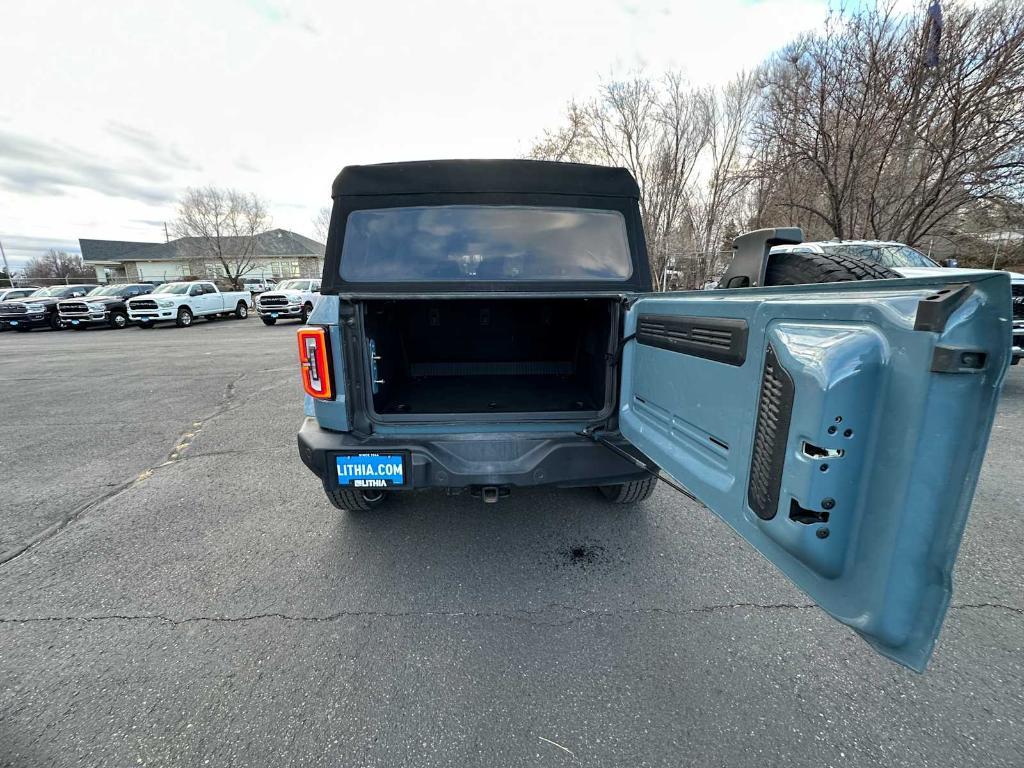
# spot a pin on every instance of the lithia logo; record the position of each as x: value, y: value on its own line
x: 370, y: 471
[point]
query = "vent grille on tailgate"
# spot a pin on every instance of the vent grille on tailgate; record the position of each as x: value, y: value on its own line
x: 723, y: 339
x: 768, y: 457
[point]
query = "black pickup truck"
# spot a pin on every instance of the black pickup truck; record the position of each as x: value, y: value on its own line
x: 105, y: 306
x: 40, y: 309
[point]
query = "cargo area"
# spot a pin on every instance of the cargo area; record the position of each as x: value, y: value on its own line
x: 499, y: 356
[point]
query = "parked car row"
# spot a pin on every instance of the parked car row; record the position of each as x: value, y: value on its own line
x: 143, y: 304
x: 39, y: 309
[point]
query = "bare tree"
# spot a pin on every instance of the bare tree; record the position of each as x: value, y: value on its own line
x: 221, y: 225
x: 567, y: 143
x: 875, y: 127
x: 322, y: 223
x: 866, y: 131
x: 56, y: 264
x: 688, y: 150
x: 716, y: 195
x: 654, y: 129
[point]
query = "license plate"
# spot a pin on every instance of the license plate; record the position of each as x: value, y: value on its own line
x: 273, y: 314
x: 14, y: 323
x: 74, y: 322
x: 371, y: 470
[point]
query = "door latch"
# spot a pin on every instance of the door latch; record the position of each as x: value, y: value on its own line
x: 375, y: 380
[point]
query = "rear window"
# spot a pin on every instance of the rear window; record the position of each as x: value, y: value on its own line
x: 484, y: 243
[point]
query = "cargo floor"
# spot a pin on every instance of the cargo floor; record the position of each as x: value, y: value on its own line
x: 483, y: 394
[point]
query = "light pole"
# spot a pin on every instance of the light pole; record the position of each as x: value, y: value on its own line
x: 7, y: 269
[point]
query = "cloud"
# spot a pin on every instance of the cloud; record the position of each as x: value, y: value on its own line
x: 244, y: 94
x: 155, y: 150
x: 32, y: 167
x: 20, y: 249
x: 245, y: 165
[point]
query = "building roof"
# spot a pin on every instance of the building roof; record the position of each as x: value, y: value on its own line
x: 273, y: 242
x: 111, y: 250
x: 485, y: 176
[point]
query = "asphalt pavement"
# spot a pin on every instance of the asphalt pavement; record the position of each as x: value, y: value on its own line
x: 177, y: 591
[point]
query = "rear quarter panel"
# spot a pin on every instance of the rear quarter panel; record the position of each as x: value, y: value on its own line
x: 330, y: 414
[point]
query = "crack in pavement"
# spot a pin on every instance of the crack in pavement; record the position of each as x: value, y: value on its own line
x: 183, y: 441
x: 185, y: 438
x: 328, y: 618
x: 1000, y: 606
x: 235, y: 452
x: 520, y: 615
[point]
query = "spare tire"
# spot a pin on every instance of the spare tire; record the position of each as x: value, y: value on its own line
x: 803, y: 268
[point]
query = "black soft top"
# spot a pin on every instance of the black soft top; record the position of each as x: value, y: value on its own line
x: 489, y: 183
x: 485, y: 176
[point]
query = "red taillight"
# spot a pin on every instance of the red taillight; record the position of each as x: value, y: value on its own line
x: 313, y: 356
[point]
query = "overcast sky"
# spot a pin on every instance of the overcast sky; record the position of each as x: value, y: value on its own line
x: 108, y: 110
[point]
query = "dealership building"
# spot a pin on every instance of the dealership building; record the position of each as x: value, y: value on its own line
x: 278, y: 254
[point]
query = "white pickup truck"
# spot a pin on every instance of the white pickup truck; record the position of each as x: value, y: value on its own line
x: 289, y: 299
x: 182, y: 302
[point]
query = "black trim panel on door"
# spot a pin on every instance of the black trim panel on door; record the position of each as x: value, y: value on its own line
x: 723, y: 339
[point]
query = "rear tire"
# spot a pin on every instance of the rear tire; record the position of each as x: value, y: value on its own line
x: 269, y: 320
x: 356, y: 500
x: 242, y: 310
x: 185, y: 317
x: 629, y: 493
x: 804, y: 268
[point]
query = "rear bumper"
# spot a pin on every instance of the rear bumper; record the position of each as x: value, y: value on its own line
x: 460, y: 461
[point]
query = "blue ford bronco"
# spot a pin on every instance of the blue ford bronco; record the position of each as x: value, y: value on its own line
x: 487, y: 325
